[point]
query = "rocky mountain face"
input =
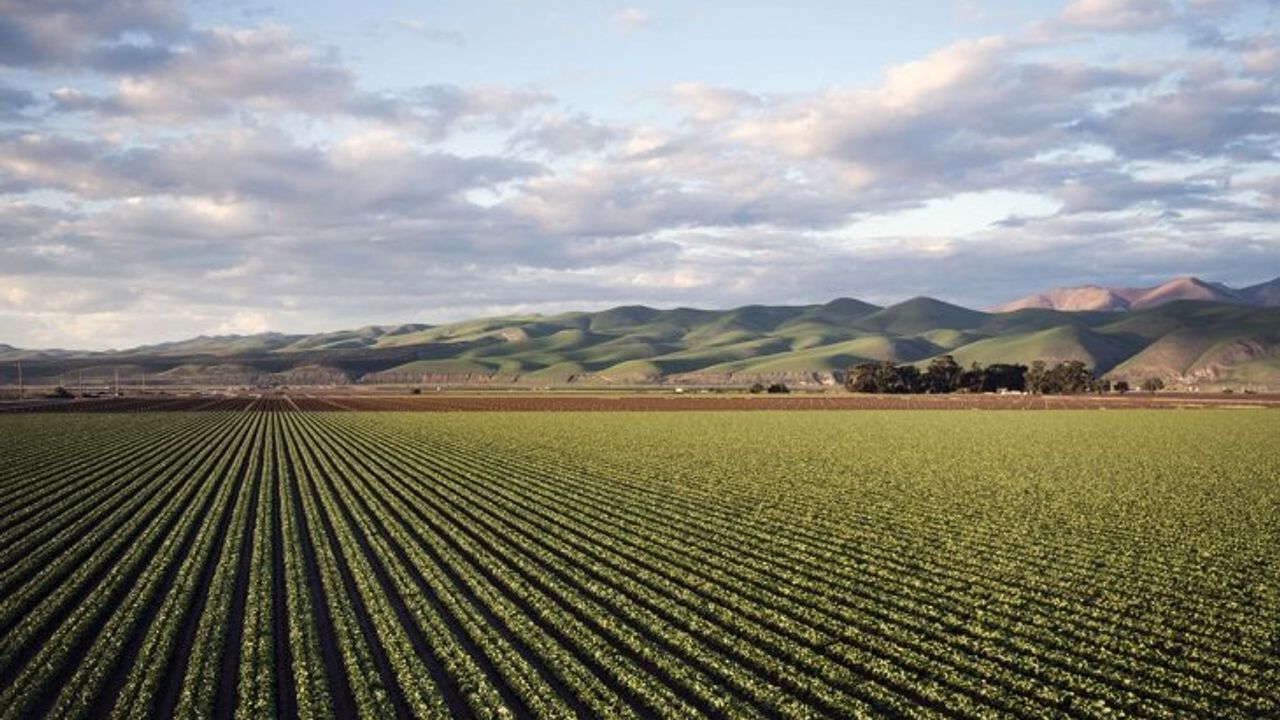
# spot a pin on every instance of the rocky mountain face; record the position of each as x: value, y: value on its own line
x: 1087, y: 298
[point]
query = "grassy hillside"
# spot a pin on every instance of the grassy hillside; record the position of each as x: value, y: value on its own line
x: 1184, y: 342
x: 1055, y: 344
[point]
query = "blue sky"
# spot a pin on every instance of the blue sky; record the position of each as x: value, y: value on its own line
x: 170, y: 169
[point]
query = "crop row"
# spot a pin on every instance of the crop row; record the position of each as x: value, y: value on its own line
x: 274, y: 562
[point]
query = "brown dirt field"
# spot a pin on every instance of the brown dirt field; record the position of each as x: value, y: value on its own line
x: 644, y: 402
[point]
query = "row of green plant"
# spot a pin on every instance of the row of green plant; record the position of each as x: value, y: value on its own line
x: 633, y: 565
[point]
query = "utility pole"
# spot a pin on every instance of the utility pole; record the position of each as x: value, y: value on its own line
x: 19, y: 379
x: 117, y: 392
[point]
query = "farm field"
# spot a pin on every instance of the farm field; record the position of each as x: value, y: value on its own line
x: 251, y: 560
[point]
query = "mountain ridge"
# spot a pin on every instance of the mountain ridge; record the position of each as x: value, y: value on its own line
x: 1187, y: 343
x: 1078, y: 298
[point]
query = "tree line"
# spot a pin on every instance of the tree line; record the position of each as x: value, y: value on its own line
x: 945, y: 375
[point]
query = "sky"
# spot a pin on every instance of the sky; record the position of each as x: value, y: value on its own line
x: 171, y: 169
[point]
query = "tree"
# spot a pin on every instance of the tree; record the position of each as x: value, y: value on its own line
x: 883, y: 377
x: 1121, y: 386
x: 1152, y: 384
x: 757, y: 388
x: 973, y: 379
x: 861, y: 378
x: 908, y: 379
x: 1069, y: 376
x: 943, y: 375
x: 778, y: 389
x: 1035, y: 377
x: 1003, y: 376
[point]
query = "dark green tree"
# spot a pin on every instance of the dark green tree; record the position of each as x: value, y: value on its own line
x: 883, y: 377
x: 1004, y: 376
x: 905, y: 379
x: 943, y: 375
x: 1035, y: 377
x: 1067, y: 377
x: 865, y: 378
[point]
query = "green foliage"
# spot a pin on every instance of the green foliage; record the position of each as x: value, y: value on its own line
x: 781, y: 564
x: 1067, y: 378
x: 943, y: 375
x: 1153, y: 384
x: 884, y: 377
x: 1037, y: 377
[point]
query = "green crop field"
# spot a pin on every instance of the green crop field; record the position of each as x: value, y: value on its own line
x: 779, y: 564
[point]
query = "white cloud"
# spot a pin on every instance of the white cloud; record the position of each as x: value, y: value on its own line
x: 1116, y: 15
x: 631, y: 18
x: 244, y: 322
x: 705, y: 104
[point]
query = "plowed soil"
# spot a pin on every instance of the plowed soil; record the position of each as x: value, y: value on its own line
x: 644, y: 402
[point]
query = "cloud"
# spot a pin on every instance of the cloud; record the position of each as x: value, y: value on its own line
x: 1108, y: 190
x: 194, y: 174
x: 971, y: 116
x: 1260, y: 54
x: 654, y: 192
x: 366, y: 173
x: 1116, y: 15
x: 244, y: 322
x: 566, y: 134
x: 1210, y: 113
x: 220, y: 72
x: 439, y: 109
x: 630, y: 18
x: 68, y: 33
x: 129, y: 58
x: 705, y: 104
x: 431, y: 33
x: 223, y: 70
x: 14, y: 102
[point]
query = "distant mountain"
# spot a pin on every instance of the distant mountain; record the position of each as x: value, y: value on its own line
x: 1265, y: 294
x: 1217, y: 339
x: 1110, y: 299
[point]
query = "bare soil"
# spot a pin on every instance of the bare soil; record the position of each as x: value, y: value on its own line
x: 645, y: 402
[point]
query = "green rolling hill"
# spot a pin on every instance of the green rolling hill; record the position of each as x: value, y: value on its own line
x: 1185, y: 342
x: 1054, y: 344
